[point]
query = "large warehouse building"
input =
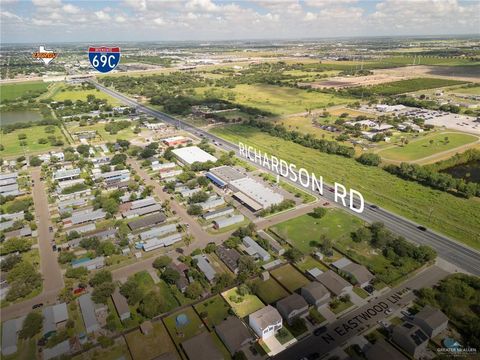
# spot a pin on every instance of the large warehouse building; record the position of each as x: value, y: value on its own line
x: 189, y: 155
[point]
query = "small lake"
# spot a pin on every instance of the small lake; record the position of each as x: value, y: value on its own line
x: 11, y: 117
x: 469, y: 172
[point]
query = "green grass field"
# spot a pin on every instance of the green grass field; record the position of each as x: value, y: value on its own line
x: 474, y: 90
x: 418, y: 149
x: 308, y: 263
x: 16, y: 90
x: 149, y: 346
x: 103, y: 135
x: 12, y: 146
x: 290, y: 278
x: 280, y: 100
x: 249, y: 304
x: 451, y: 215
x: 74, y: 95
x: 181, y: 333
x: 304, y: 232
x: 270, y: 291
x: 406, y: 86
x: 215, y: 309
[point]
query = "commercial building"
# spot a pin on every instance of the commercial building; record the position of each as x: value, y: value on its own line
x: 431, y: 320
x: 203, y: 263
x: 265, y: 322
x: 54, y: 317
x: 121, y: 305
x: 315, y: 294
x: 223, y: 222
x: 411, y: 339
x: 202, y: 347
x: 192, y: 154
x: 147, y: 221
x: 217, y: 213
x: 234, y: 334
x: 88, y: 313
x: 252, y: 193
x: 292, y: 307
x: 337, y: 285
x: 223, y: 175
x: 156, y: 243
x: 252, y: 248
x: 176, y: 140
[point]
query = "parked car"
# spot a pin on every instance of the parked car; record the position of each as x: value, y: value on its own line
x: 369, y: 288
x: 36, y: 306
x: 326, y: 203
x: 422, y: 228
x: 320, y: 331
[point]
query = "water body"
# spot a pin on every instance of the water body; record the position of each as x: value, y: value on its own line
x: 11, y: 117
x: 469, y: 171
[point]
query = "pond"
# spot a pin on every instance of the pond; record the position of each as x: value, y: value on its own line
x: 469, y: 171
x: 11, y: 117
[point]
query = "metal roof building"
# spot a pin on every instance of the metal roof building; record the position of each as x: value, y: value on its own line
x: 89, y: 264
x: 257, y: 191
x: 212, y: 203
x: 121, y: 305
x: 147, y: 221
x: 191, y: 154
x: 86, y: 216
x: 57, y: 350
x: 203, y: 264
x: 254, y: 249
x: 216, y: 213
x: 158, y: 231
x: 88, y: 313
x: 60, y: 175
x: 142, y: 211
x: 156, y: 243
x: 223, y: 222
x: 54, y: 315
x: 9, y: 337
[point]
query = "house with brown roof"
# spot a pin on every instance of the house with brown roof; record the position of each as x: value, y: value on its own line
x: 431, y: 320
x: 202, y: 347
x: 292, y: 307
x: 315, y: 294
x: 234, y: 334
x: 337, y: 285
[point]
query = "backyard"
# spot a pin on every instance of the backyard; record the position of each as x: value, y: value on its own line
x: 290, y: 278
x: 181, y: 331
x: 213, y: 311
x: 242, y: 305
x: 149, y: 346
x: 269, y: 291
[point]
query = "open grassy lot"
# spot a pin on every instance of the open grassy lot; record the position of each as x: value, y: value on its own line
x: 406, y: 86
x: 471, y: 90
x: 17, y: 90
x: 290, y: 278
x: 152, y: 345
x: 269, y: 291
x: 427, y: 146
x: 113, y: 352
x: 169, y: 300
x: 242, y: 305
x: 304, y: 232
x: 308, y: 263
x: 102, y: 134
x: 446, y: 213
x: 12, y: 145
x: 213, y: 311
x: 75, y: 94
x: 181, y: 333
x: 280, y: 100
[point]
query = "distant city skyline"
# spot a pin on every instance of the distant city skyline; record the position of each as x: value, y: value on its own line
x: 208, y: 20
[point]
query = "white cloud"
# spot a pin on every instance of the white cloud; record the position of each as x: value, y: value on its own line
x: 46, y: 3
x: 309, y: 16
x: 9, y: 15
x: 120, y: 19
x: 139, y: 5
x: 71, y: 9
x: 159, y: 21
x: 202, y: 5
x: 102, y: 15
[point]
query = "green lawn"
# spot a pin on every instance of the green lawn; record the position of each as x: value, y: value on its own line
x: 471, y: 90
x: 249, y: 304
x: 12, y: 145
x: 426, y: 146
x: 114, y: 352
x: 446, y: 213
x: 181, y: 333
x: 283, y: 335
x: 360, y: 292
x: 290, y: 278
x: 308, y: 263
x: 279, y: 100
x: 80, y: 94
x: 103, y: 135
x: 315, y: 314
x: 304, y: 232
x: 341, y: 307
x: 169, y: 300
x: 17, y: 90
x: 215, y: 310
x: 149, y: 346
x: 270, y: 291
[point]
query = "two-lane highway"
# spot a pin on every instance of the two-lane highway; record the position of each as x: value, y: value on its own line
x: 454, y: 252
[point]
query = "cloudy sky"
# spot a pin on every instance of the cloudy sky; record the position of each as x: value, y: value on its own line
x: 160, y: 20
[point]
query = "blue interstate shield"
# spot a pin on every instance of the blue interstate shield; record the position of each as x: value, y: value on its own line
x: 104, y: 59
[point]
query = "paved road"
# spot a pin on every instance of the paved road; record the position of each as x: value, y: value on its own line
x: 357, y: 321
x: 49, y: 267
x: 458, y: 254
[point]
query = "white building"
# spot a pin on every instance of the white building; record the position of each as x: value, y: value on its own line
x: 191, y: 154
x: 265, y: 322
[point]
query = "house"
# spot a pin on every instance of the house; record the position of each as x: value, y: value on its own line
x: 292, y: 307
x: 202, y: 347
x: 265, y: 322
x: 84, y: 216
x: 229, y: 257
x: 234, y: 334
x: 149, y: 220
x: 57, y: 350
x: 88, y: 313
x: 224, y: 221
x: 276, y: 247
x: 212, y: 203
x: 411, y: 339
x: 156, y: 243
x: 54, y: 317
x: 203, y: 263
x: 252, y: 248
x: 217, y: 213
x: 358, y: 273
x: 63, y: 174
x: 142, y: 211
x: 158, y: 231
x: 383, y: 350
x: 121, y: 305
x: 337, y: 285
x: 315, y: 294
x: 10, y: 329
x: 89, y: 264
x: 431, y: 320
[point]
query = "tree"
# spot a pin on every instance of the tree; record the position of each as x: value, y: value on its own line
x: 65, y: 257
x: 210, y: 248
x: 9, y: 262
x: 194, y: 290
x: 294, y: 255
x: 362, y: 234
x: 327, y: 245
x: 151, y: 305
x: 161, y: 262
x: 319, y: 212
x: 102, y: 292
x: 31, y: 325
x: 101, y: 277
x: 132, y: 291
x: 369, y: 159
x: 194, y: 209
x: 222, y: 281
x: 35, y: 161
x: 246, y: 267
x: 105, y: 341
x: 76, y: 273
x: 170, y: 275
x: 16, y: 244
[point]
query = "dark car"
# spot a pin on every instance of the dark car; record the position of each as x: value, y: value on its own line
x: 50, y: 228
x: 373, y: 207
x: 320, y: 331
x: 369, y: 288
x: 422, y: 228
x: 313, y: 356
x: 36, y: 306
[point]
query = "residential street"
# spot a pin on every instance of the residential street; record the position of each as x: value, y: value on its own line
x: 339, y: 332
x: 49, y: 267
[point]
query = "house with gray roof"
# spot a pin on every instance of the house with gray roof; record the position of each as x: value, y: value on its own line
x: 431, y: 320
x: 203, y: 263
x: 202, y: 347
x: 57, y: 350
x: 315, y: 294
x: 54, y: 317
x: 88, y: 313
x: 411, y: 339
x: 158, y: 231
x: 10, y: 329
x: 234, y: 334
x: 292, y: 307
x: 121, y: 305
x: 254, y: 249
